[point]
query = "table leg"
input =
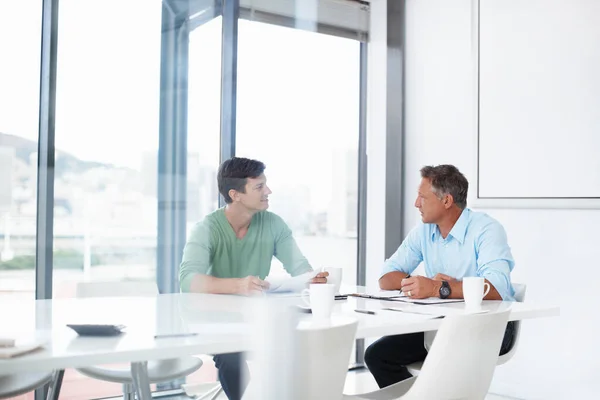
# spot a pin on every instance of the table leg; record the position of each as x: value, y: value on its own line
x: 55, y: 384
x: 139, y: 372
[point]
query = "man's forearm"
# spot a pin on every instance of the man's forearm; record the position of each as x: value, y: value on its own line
x: 392, y: 280
x: 209, y: 284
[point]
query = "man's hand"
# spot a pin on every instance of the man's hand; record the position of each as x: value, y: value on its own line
x: 419, y: 287
x: 250, y: 286
x: 443, y: 277
x: 321, y: 277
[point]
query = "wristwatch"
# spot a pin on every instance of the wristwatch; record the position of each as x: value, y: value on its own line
x: 445, y: 290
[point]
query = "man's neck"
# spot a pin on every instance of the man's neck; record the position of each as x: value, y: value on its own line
x: 447, y: 223
x: 238, y: 217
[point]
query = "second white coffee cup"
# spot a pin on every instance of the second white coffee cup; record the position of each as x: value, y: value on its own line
x: 320, y: 298
x: 473, y: 291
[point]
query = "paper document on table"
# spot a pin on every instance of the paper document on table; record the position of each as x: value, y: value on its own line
x: 280, y: 294
x: 387, y: 294
x: 20, y: 348
x: 7, y: 342
x: 294, y: 284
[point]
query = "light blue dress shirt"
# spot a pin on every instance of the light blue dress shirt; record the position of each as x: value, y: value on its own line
x: 476, y: 246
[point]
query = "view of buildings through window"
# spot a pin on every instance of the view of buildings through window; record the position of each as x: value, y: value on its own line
x: 297, y: 112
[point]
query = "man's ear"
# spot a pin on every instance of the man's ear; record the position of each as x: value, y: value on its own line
x: 448, y: 201
x: 233, y: 194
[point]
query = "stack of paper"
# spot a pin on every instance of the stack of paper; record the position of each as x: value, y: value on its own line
x: 12, y: 348
x: 7, y: 342
x: 396, y: 295
x: 290, y: 285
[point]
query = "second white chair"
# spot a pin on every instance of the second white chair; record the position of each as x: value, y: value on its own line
x: 158, y: 371
x: 460, y: 364
x: 520, y: 290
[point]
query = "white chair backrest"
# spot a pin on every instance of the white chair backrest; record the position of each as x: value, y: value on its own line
x: 321, y: 365
x: 117, y: 289
x: 461, y: 362
x: 520, y: 290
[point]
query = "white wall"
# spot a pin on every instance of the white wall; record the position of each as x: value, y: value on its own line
x: 556, y: 251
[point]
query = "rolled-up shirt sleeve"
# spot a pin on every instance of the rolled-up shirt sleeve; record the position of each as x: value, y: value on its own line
x: 408, y: 256
x: 495, y: 260
x: 196, y: 256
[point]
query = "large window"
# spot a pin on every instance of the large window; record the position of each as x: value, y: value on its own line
x: 298, y: 108
x: 20, y: 31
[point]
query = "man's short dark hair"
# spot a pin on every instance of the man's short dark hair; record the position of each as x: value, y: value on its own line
x: 234, y: 174
x: 447, y: 179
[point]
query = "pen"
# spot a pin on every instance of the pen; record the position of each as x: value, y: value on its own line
x: 365, y: 312
x: 174, y: 335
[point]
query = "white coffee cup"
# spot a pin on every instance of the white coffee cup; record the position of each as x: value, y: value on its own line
x: 335, y: 277
x: 320, y: 299
x: 473, y: 291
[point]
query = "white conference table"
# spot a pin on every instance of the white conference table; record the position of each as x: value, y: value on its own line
x: 222, y: 322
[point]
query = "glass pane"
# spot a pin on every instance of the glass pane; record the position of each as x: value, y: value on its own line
x: 107, y: 114
x: 298, y: 108
x: 20, y: 32
x: 204, y: 120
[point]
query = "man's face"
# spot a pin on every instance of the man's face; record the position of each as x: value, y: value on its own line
x: 257, y: 194
x: 429, y: 204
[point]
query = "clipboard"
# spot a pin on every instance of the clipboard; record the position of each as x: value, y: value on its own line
x: 404, y: 299
x: 375, y: 297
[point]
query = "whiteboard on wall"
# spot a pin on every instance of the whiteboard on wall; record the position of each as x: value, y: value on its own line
x: 538, y: 68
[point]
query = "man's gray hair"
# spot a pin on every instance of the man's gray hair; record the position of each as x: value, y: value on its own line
x: 447, y: 179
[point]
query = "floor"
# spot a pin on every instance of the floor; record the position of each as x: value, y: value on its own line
x: 362, y: 381
x: 356, y: 382
x: 78, y: 387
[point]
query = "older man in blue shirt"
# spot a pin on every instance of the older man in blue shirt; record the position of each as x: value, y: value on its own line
x: 453, y: 242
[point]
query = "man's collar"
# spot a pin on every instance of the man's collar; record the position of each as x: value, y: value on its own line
x: 459, y: 230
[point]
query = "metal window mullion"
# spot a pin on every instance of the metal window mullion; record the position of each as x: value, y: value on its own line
x: 46, y: 138
x: 361, y: 270
x: 229, y: 55
x: 172, y: 152
x: 396, y: 11
x: 45, y: 163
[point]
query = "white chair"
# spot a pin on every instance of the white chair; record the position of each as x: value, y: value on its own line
x: 460, y: 364
x: 520, y: 290
x: 18, y: 384
x: 319, y: 363
x: 322, y: 363
x: 158, y: 371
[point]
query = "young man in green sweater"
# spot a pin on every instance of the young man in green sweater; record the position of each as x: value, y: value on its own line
x: 230, y: 251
